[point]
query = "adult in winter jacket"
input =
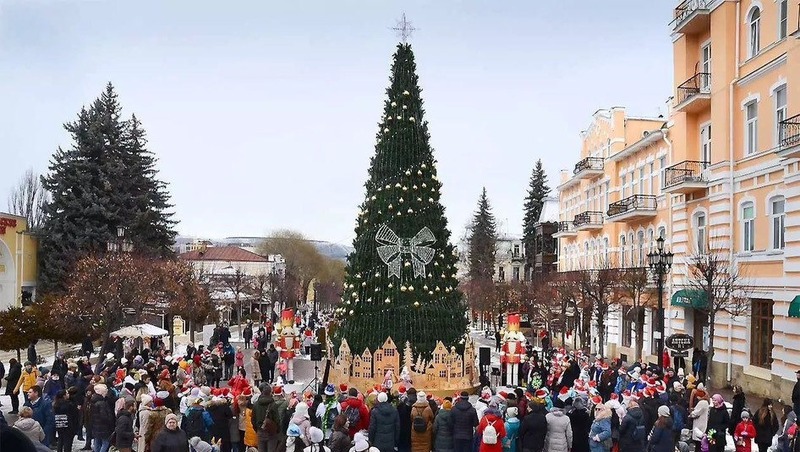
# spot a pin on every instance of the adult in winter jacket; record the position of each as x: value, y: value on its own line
x: 700, y: 419
x: 102, y: 418
x: 349, y: 408
x: 123, y: 430
x: 559, y: 431
x: 14, y: 373
x: 340, y: 438
x: 171, y: 438
x: 302, y: 419
x: 494, y: 418
x: 766, y: 424
x: 42, y: 412
x: 662, y: 439
x: 28, y: 425
x: 533, y: 429
x: 632, y: 434
x: 384, y: 425
x: 718, y: 420
x: 512, y: 429
x: 744, y: 433
x: 738, y: 404
x: 421, y: 440
x: 442, y: 428
x: 221, y: 415
x: 581, y: 423
x: 65, y: 420
x: 463, y: 420
x: 197, y: 421
x: 600, y: 432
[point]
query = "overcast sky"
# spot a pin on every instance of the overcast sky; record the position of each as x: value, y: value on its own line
x: 263, y: 113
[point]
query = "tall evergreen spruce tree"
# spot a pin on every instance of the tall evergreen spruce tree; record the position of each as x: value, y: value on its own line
x: 534, y: 203
x: 401, y: 278
x: 106, y: 179
x: 482, y: 242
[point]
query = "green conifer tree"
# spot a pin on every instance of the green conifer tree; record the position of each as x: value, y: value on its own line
x: 482, y: 242
x: 534, y: 203
x: 105, y: 180
x: 401, y: 277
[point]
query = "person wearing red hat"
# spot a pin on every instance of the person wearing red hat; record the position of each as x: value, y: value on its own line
x: 356, y: 412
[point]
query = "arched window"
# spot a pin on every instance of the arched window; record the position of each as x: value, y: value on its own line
x: 640, y: 254
x: 662, y: 232
x: 755, y: 31
x: 622, y: 260
x: 651, y: 238
x: 700, y: 232
x: 777, y: 214
x: 748, y: 213
x: 605, y: 248
x: 632, y: 244
x: 586, y: 255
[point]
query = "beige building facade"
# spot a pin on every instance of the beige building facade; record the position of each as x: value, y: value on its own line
x: 721, y: 174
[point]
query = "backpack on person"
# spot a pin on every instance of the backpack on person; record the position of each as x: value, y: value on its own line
x: 639, y: 432
x: 194, y: 424
x: 489, y: 434
x: 419, y: 424
x: 353, y: 416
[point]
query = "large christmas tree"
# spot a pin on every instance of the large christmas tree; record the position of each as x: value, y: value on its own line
x: 401, y: 278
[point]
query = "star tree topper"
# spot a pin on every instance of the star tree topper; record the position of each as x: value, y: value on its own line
x: 404, y: 29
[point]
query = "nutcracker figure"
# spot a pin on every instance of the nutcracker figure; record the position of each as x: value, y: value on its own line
x: 512, y: 353
x: 288, y: 341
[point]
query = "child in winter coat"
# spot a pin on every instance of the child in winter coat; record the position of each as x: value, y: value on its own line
x: 744, y: 433
x: 239, y: 358
x: 512, y: 430
x: 283, y: 369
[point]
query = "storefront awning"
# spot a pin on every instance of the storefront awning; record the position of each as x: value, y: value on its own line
x: 688, y: 298
x: 794, y: 307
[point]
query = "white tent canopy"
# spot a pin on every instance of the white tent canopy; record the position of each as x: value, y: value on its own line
x: 141, y: 330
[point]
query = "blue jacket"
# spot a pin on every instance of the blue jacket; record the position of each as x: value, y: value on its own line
x: 602, y: 429
x: 512, y: 433
x: 43, y: 414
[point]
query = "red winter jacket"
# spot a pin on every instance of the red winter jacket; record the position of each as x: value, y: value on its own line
x: 363, y: 423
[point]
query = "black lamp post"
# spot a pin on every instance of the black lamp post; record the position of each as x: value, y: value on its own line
x: 661, y: 263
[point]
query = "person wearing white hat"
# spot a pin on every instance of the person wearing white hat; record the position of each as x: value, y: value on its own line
x: 316, y: 437
x: 361, y: 444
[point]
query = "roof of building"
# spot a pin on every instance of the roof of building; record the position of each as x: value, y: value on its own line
x: 223, y: 253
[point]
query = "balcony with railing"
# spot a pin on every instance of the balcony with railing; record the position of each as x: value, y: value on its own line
x: 789, y: 137
x: 692, y: 17
x: 588, y: 168
x: 565, y: 229
x: 686, y: 177
x: 633, y: 207
x: 587, y: 221
x: 694, y: 94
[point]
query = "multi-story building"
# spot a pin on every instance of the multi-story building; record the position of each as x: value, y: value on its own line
x: 510, y: 258
x: 735, y: 180
x: 737, y: 85
x: 613, y: 207
x: 18, y: 262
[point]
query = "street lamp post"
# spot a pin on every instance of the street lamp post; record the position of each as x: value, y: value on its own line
x: 661, y: 263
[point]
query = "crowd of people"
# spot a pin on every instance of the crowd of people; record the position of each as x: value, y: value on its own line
x: 149, y: 401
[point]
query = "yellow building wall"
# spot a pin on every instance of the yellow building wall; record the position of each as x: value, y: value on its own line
x: 18, y: 260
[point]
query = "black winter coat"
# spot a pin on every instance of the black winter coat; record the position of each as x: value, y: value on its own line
x: 663, y: 438
x: 765, y: 430
x: 221, y: 414
x: 170, y: 441
x: 70, y: 409
x: 736, y: 411
x: 630, y: 422
x: 384, y: 427
x: 102, y: 417
x: 719, y: 420
x: 404, y: 412
x: 13, y: 378
x: 581, y: 424
x: 124, y: 430
x: 533, y: 429
x: 463, y: 420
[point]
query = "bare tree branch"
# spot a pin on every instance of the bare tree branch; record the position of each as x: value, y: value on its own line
x: 27, y: 199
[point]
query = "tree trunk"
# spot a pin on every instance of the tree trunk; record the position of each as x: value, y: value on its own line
x: 169, y: 320
x: 19, y: 356
x: 191, y: 330
x: 601, y: 329
x: 55, y: 347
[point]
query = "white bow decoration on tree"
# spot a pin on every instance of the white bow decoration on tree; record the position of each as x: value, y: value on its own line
x: 393, y: 247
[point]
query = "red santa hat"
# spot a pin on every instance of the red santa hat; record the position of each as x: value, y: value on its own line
x: 401, y: 389
x: 626, y: 394
x: 661, y: 387
x: 563, y: 394
x: 247, y: 392
x: 592, y: 383
x: 614, y: 396
x: 164, y: 375
x: 343, y: 387
x: 597, y: 400
x: 277, y: 390
x: 651, y: 382
x: 540, y: 393
x: 503, y: 395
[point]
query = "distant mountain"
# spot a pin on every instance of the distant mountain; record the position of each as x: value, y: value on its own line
x: 328, y: 249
